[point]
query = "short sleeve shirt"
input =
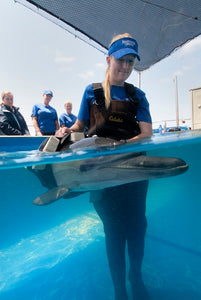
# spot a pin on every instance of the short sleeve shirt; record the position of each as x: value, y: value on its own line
x: 67, y: 120
x: 46, y: 117
x: 117, y: 93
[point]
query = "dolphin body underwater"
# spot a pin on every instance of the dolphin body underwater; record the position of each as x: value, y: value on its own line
x: 72, y: 178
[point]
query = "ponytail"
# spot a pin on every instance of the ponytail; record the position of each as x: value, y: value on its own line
x: 106, y: 88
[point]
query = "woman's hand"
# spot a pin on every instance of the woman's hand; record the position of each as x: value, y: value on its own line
x: 62, y: 131
x: 39, y: 133
x: 78, y: 126
x: 146, y: 132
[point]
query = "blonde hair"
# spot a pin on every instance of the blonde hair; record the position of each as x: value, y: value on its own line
x: 3, y: 94
x: 106, y: 82
x: 66, y: 103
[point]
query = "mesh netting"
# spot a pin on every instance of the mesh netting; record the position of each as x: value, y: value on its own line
x: 159, y: 26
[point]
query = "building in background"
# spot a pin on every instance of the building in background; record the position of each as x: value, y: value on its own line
x: 196, y: 108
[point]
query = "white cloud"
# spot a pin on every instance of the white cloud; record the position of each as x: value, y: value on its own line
x: 164, y: 80
x: 63, y: 59
x: 190, y: 47
x: 178, y: 73
x: 187, y: 67
x: 100, y: 65
x: 184, y: 68
x: 86, y: 74
x: 65, y: 69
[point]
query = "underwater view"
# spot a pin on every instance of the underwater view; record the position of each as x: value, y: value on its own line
x: 57, y: 251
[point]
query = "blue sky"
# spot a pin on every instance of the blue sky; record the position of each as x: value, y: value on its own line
x: 36, y: 55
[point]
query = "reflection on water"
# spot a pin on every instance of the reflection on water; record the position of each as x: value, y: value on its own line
x: 58, y: 252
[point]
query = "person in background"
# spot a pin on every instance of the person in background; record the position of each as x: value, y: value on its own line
x: 67, y: 119
x: 44, y: 116
x: 116, y: 109
x: 11, y: 120
x: 160, y: 129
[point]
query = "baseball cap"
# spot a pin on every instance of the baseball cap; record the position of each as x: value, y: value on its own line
x: 124, y: 47
x: 48, y: 93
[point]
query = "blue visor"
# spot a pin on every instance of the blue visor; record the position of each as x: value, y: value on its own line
x: 124, y: 47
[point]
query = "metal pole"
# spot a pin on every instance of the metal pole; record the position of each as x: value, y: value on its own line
x: 176, y: 100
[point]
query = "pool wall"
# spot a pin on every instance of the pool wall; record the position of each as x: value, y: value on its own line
x: 20, y: 143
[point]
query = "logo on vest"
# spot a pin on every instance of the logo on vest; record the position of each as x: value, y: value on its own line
x: 115, y: 119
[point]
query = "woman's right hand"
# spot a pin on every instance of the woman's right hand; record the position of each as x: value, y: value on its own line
x: 62, y: 131
x: 39, y: 133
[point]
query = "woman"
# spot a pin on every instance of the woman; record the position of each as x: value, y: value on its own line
x: 67, y: 119
x: 44, y: 116
x: 11, y: 120
x: 118, y: 110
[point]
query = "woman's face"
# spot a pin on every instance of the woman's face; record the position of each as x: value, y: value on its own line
x: 8, y: 100
x: 47, y: 99
x: 120, y: 69
x: 68, y: 108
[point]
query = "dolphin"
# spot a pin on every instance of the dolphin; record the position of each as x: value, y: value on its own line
x: 72, y: 178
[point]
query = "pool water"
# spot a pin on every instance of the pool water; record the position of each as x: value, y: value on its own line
x: 58, y: 252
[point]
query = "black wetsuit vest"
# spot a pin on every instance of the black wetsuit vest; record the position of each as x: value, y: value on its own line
x: 119, y: 120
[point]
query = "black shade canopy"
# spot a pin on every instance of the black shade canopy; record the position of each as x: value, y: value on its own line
x: 159, y: 26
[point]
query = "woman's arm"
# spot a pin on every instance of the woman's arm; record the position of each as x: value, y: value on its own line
x: 36, y: 127
x: 146, y: 131
x: 57, y: 124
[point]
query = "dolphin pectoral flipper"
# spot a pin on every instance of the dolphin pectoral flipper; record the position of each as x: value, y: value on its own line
x: 51, y: 196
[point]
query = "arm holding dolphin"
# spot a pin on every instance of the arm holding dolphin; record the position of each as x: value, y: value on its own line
x: 78, y: 126
x: 145, y: 128
x: 145, y: 132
